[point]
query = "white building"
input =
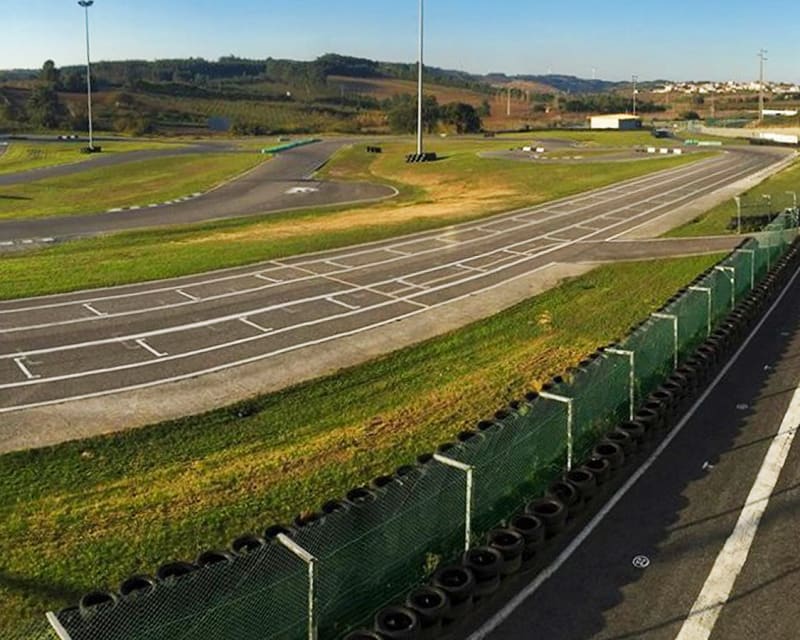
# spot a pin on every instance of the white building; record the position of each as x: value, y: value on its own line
x: 619, y: 121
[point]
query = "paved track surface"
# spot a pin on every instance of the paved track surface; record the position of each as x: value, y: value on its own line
x: 284, y: 182
x: 93, y: 343
x: 680, y: 514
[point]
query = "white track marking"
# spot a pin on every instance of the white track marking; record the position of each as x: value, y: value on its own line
x: 491, y: 625
x: 156, y: 353
x: 314, y: 274
x: 261, y: 276
x: 255, y: 325
x: 187, y: 295
x: 731, y: 559
x: 23, y: 367
x: 351, y: 307
x: 90, y: 308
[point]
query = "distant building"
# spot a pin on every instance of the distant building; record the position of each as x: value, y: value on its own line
x: 619, y: 121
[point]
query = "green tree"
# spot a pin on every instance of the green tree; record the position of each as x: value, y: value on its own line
x: 43, y: 107
x: 464, y: 117
x: 402, y: 113
x: 49, y: 73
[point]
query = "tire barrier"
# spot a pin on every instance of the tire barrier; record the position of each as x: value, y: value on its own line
x: 413, y: 158
x: 373, y: 149
x: 558, y: 451
x: 432, y: 606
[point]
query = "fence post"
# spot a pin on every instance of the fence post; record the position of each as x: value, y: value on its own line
x: 752, y: 266
x: 707, y: 291
x: 568, y: 401
x: 469, y: 471
x: 61, y: 632
x: 311, y: 561
x: 631, y: 355
x: 674, y: 318
x: 731, y: 271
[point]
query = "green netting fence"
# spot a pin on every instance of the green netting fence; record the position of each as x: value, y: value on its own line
x: 333, y: 574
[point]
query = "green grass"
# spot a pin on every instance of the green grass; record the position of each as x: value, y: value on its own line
x: 136, y: 183
x: 715, y: 221
x: 86, y: 514
x: 603, y: 138
x: 24, y: 156
x: 175, y: 251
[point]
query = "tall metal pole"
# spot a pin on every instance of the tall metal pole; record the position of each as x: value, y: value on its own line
x: 508, y: 106
x: 635, y: 79
x: 420, y: 87
x: 86, y: 4
x: 762, y: 56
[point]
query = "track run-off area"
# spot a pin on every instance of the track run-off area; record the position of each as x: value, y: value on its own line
x: 95, y: 343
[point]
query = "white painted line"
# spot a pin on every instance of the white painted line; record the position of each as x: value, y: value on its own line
x: 255, y: 325
x: 187, y: 295
x: 21, y: 364
x: 343, y: 304
x: 115, y: 210
x: 491, y: 625
x: 90, y: 308
x: 155, y: 352
x: 266, y: 279
x: 152, y: 206
x: 733, y: 555
x: 134, y: 208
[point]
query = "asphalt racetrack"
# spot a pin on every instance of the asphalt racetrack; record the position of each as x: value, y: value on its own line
x: 90, y: 344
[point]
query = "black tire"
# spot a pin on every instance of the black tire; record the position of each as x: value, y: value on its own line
x: 511, y: 546
x: 668, y: 405
x: 486, y: 588
x: 650, y: 419
x: 271, y: 533
x: 381, y: 482
x: 137, y: 586
x: 445, y: 447
x: 248, y: 544
x: 611, y: 452
x: 333, y: 507
x: 601, y: 468
x: 431, y: 605
x: 551, y: 512
x: 689, y: 376
x: 458, y: 583
x: 568, y: 494
x: 635, y: 430
x: 532, y: 531
x: 211, y: 557
x: 360, y: 496
x: 174, y: 570
x: 91, y: 602
x: 310, y: 519
x: 363, y: 634
x: 397, y: 623
x: 624, y: 440
x: 584, y: 481
x: 485, y: 562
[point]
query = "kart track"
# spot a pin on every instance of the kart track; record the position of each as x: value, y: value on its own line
x: 198, y: 342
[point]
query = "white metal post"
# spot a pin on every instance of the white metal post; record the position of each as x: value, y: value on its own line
x: 421, y: 68
x: 567, y: 401
x: 738, y: 214
x: 311, y: 561
x: 674, y: 318
x: 731, y: 272
x: 86, y: 4
x: 631, y: 356
x: 752, y: 254
x: 59, y: 629
x: 708, y: 292
x: 469, y: 471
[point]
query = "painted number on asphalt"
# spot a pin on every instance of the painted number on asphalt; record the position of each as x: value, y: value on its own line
x: 641, y: 562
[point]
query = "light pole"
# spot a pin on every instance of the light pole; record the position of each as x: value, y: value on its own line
x: 86, y: 4
x: 419, y: 88
x: 635, y: 80
x: 762, y: 56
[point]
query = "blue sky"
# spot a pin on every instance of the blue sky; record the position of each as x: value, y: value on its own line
x: 676, y: 40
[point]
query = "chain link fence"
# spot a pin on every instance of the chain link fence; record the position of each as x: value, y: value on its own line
x: 323, y: 578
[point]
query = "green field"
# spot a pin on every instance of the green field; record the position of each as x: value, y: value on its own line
x: 86, y: 514
x: 24, y: 156
x: 136, y: 183
x: 715, y: 221
x: 463, y: 187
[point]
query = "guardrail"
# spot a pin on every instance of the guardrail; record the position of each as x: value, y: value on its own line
x: 289, y: 145
x: 333, y: 568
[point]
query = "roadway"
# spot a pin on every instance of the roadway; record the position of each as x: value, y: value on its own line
x: 92, y: 344
x: 716, y: 572
x: 285, y: 182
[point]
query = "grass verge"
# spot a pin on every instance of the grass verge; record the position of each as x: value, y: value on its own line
x: 715, y: 221
x: 24, y: 156
x: 86, y: 514
x: 136, y: 183
x: 460, y: 188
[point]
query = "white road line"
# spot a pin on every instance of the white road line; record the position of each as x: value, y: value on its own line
x: 731, y: 559
x: 21, y: 364
x: 187, y: 295
x: 255, y: 325
x: 156, y: 353
x: 99, y: 314
x: 261, y: 276
x: 343, y: 304
x: 491, y: 625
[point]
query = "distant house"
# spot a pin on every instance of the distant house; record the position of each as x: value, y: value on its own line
x: 619, y: 121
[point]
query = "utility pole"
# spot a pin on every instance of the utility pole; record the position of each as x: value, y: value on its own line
x: 635, y: 80
x: 762, y: 56
x: 508, y: 104
x: 420, y: 87
x: 86, y: 4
